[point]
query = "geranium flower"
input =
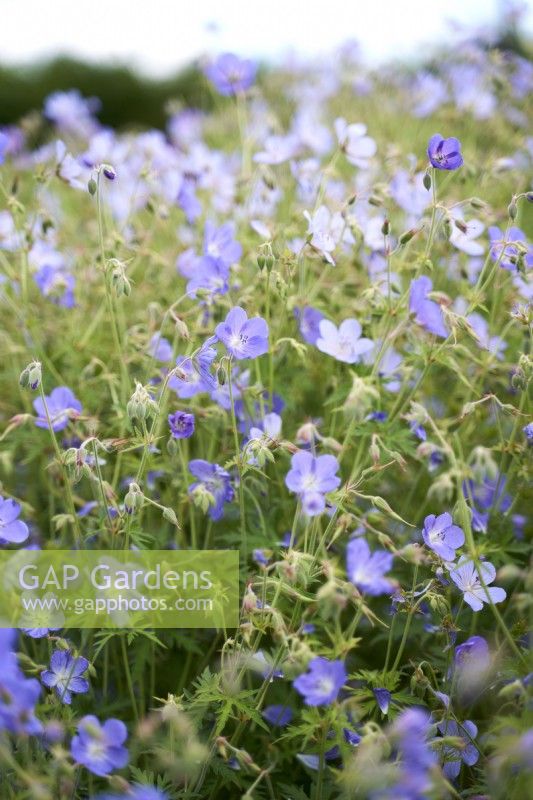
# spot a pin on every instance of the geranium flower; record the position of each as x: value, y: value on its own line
x: 427, y: 313
x: 214, y: 480
x: 442, y: 536
x: 343, y: 343
x: 100, y: 748
x: 311, y: 478
x: 468, y: 753
x: 366, y: 569
x: 62, y: 405
x: 322, y: 683
x: 243, y: 337
x: 467, y: 578
x: 65, y: 674
x: 445, y: 153
x: 231, y: 74
x: 181, y: 424
x: 12, y: 529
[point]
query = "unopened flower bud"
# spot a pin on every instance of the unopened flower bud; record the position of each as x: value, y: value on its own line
x: 92, y: 186
x: 109, y: 172
x: 512, y: 209
x: 134, y: 499
x: 407, y: 236
x: 31, y: 376
x: 426, y: 180
x: 385, y: 228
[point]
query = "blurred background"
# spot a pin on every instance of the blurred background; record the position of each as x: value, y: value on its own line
x: 137, y: 57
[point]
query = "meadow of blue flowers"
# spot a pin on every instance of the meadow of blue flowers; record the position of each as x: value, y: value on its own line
x: 298, y: 326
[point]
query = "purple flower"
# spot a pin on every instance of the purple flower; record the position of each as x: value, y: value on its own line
x: 181, y: 424
x: 474, y: 655
x: 137, y: 791
x: 231, y: 74
x: 57, y: 284
x: 528, y: 431
x: 467, y: 578
x: 309, y: 319
x: 12, y: 529
x: 160, y: 348
x: 366, y: 569
x: 485, y: 496
x: 471, y: 667
x: 355, y: 144
x: 195, y: 376
x: 343, y: 343
x: 311, y: 478
x: 427, y: 313
x: 454, y: 755
x: 61, y: 403
x: 215, y: 480
x: 411, y: 731
x: 445, y: 153
x: 100, y: 748
x: 220, y: 245
x: 383, y: 697
x: 65, y: 674
x: 322, y: 683
x: 504, y: 247
x: 243, y: 337
x: 278, y: 715
x: 442, y: 536
x: 325, y: 230
x: 18, y: 697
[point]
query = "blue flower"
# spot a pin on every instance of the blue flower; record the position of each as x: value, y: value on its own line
x: 65, y: 674
x: 454, y: 755
x: 309, y: 320
x: 181, y: 424
x: 98, y: 747
x: 137, y: 791
x: 366, y: 569
x: 243, y: 337
x: 12, y: 529
x: 61, y: 403
x: 343, y: 343
x: 216, y: 481
x: 528, y: 430
x: 311, y: 478
x: 230, y: 74
x: 193, y: 376
x: 428, y: 314
x: 278, y: 715
x: 467, y: 578
x: 383, y: 697
x: 442, y: 536
x: 322, y: 683
x: 445, y: 153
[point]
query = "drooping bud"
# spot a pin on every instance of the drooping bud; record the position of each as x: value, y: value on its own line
x: 31, y: 376
x: 134, y: 499
x: 141, y: 405
x: 426, y: 180
x: 407, y: 236
x: 512, y: 209
x: 109, y: 172
x: 92, y: 186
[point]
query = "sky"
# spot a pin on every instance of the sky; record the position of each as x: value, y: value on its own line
x: 159, y: 36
